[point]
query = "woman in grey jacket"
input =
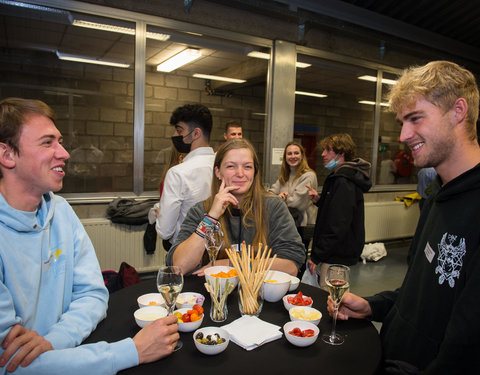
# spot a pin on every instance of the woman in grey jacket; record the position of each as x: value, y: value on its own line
x: 245, y: 211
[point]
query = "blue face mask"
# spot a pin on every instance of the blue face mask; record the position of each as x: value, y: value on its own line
x: 332, y: 164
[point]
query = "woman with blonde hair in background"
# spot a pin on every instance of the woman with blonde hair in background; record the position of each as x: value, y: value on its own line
x: 244, y: 210
x: 291, y: 186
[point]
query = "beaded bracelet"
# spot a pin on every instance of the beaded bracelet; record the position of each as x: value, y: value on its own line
x: 207, y: 221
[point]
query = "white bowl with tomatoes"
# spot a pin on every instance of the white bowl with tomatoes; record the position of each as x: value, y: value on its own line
x: 189, y: 319
x: 301, y: 333
x: 295, y: 300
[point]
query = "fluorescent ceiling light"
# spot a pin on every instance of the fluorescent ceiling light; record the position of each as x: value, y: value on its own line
x: 374, y: 79
x: 219, y: 78
x: 91, y: 60
x: 259, y: 55
x: 266, y: 56
x: 180, y: 59
x: 369, y: 102
x: 118, y: 29
x: 311, y: 94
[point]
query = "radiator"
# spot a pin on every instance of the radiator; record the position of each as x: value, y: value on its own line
x: 117, y: 243
x: 390, y: 220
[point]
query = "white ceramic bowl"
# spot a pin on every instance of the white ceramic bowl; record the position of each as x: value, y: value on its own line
x: 150, y: 299
x: 212, y: 349
x: 287, y: 305
x: 148, y: 314
x: 189, y: 326
x: 183, y: 300
x: 275, y: 286
x: 295, y: 282
x: 216, y: 269
x: 305, y: 314
x: 300, y: 341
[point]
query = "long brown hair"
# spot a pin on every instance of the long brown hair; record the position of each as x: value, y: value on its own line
x: 285, y: 168
x: 174, y: 159
x: 252, y: 207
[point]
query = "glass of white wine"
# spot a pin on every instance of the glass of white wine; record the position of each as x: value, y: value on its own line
x: 213, y: 242
x: 338, y: 282
x: 169, y: 285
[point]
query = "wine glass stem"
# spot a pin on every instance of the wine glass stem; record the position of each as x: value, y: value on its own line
x: 335, y: 313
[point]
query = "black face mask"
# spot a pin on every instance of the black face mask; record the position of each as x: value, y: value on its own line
x: 180, y: 145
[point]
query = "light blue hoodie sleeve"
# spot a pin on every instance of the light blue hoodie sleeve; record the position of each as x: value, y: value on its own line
x: 89, y: 297
x: 99, y: 358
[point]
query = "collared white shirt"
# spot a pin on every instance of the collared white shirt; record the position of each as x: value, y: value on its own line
x: 185, y: 184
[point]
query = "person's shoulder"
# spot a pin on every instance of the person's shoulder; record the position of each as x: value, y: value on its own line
x: 60, y: 202
x: 309, y: 175
x: 273, y: 201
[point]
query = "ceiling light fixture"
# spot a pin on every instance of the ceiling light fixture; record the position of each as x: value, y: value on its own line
x: 374, y: 79
x: 91, y: 60
x: 180, y: 59
x: 369, y: 102
x: 219, y: 78
x: 266, y: 56
x: 118, y: 29
x: 306, y: 93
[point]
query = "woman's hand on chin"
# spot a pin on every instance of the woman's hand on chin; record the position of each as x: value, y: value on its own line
x: 222, y: 200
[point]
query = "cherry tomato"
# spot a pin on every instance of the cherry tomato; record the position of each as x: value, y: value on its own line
x: 308, y: 333
x: 198, y: 308
x: 296, y: 331
x: 186, y: 318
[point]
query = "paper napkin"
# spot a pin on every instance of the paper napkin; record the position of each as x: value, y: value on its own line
x: 250, y: 332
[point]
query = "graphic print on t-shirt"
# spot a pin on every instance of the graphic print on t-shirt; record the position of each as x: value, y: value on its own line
x: 450, y: 259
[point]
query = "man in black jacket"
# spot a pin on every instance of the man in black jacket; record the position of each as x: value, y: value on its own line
x: 339, y: 233
x: 431, y: 323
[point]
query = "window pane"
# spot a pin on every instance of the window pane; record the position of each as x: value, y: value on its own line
x: 165, y: 91
x: 93, y: 103
x: 395, y: 161
x: 340, y: 111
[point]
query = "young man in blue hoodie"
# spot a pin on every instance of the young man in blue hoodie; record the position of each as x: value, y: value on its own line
x: 431, y: 323
x: 52, y: 294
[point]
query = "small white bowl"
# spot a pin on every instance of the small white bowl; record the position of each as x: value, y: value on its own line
x: 275, y: 285
x: 183, y: 298
x: 288, y: 306
x: 148, y: 314
x: 189, y: 326
x: 150, y: 299
x: 294, y: 283
x: 212, y: 349
x: 300, y: 341
x: 305, y: 314
x: 216, y: 269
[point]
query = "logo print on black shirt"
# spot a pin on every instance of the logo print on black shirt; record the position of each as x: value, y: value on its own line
x: 450, y: 259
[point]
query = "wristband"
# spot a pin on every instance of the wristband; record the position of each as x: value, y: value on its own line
x: 212, y: 219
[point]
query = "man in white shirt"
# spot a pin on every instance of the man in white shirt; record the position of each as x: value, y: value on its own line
x: 189, y: 182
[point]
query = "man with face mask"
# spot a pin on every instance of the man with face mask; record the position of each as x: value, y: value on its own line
x: 189, y: 182
x: 339, y: 234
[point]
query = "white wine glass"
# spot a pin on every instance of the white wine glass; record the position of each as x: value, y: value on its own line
x: 338, y: 283
x: 213, y: 242
x: 169, y: 285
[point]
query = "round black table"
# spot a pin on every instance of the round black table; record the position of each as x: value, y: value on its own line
x: 360, y: 354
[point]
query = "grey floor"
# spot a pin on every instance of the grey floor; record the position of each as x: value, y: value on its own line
x: 386, y: 274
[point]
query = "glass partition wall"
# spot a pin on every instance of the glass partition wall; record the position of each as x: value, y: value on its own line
x: 82, y: 62
x: 85, y: 75
x: 337, y: 97
x: 221, y: 75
